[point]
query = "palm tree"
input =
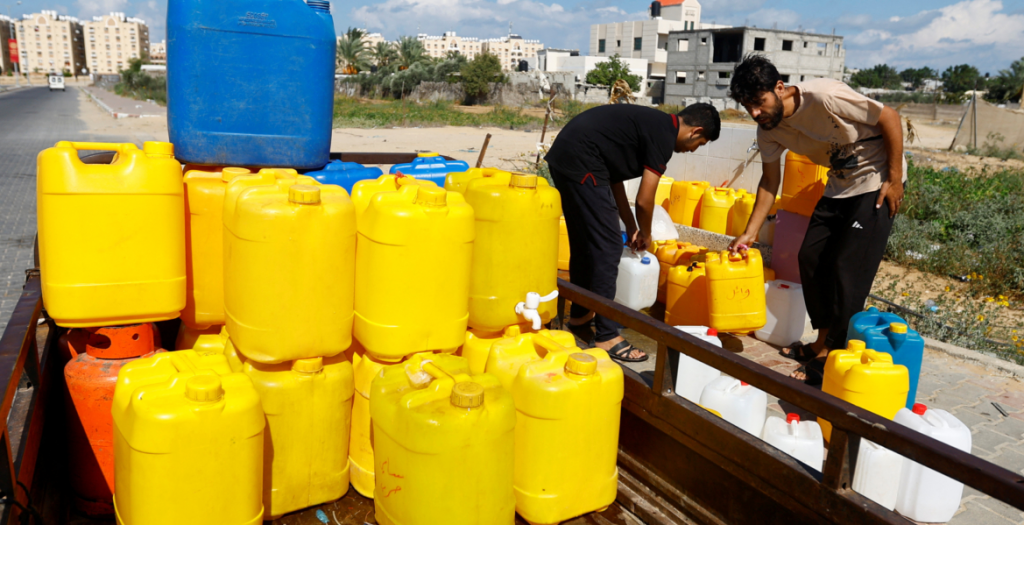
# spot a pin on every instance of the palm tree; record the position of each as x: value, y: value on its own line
x: 352, y: 56
x: 384, y: 54
x: 410, y: 51
x: 354, y: 33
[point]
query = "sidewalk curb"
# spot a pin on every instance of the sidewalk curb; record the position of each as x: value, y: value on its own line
x: 996, y: 364
x: 116, y: 115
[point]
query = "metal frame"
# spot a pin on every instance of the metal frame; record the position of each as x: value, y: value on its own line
x: 705, y: 466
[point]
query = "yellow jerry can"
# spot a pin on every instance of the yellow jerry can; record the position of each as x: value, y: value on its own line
x: 111, y: 236
x: 714, y: 212
x: 478, y: 345
x: 735, y: 291
x: 663, y: 193
x: 364, y: 190
x: 685, y: 200
x: 739, y: 214
x: 672, y: 253
x: 515, y: 252
x: 219, y: 343
x: 360, y: 448
x: 413, y: 262
x: 563, y: 245
x: 308, y: 404
x: 187, y: 337
x: 509, y: 354
x: 803, y: 184
x: 188, y: 442
x: 686, y: 295
x: 865, y: 378
x: 289, y: 271
x: 459, y: 181
x: 567, y: 434
x: 443, y: 444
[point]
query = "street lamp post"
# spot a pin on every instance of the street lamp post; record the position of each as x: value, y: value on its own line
x: 17, y: 75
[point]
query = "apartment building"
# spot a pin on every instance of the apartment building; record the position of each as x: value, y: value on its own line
x: 647, y: 39
x: 6, y: 33
x: 158, y: 52
x: 50, y: 43
x: 438, y: 46
x: 701, y: 62
x: 112, y: 40
x: 511, y: 49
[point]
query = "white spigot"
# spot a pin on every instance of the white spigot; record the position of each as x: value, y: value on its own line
x: 529, y: 308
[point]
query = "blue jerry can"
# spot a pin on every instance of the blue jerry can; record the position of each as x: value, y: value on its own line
x: 887, y: 332
x: 430, y: 166
x: 345, y: 174
x: 251, y: 83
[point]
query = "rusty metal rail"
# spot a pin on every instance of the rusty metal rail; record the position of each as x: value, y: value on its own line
x: 660, y: 428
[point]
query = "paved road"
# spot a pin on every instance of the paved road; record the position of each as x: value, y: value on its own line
x: 31, y: 119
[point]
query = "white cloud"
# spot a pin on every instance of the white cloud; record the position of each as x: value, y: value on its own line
x: 773, y: 17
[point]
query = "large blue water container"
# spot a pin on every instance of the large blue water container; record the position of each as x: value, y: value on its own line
x: 345, y: 174
x: 430, y: 166
x: 250, y: 82
x: 887, y: 332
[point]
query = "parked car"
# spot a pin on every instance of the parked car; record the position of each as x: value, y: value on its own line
x: 57, y: 83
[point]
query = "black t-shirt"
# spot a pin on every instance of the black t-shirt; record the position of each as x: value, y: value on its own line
x: 614, y: 143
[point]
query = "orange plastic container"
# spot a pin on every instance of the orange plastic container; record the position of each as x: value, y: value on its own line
x: 204, y: 246
x: 91, y: 378
x: 563, y: 245
x: 803, y: 183
x: 673, y: 253
x: 739, y: 214
x: 715, y: 207
x: 736, y: 301
x: 686, y: 296
x: 684, y: 202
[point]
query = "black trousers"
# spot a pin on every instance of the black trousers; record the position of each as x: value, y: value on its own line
x: 839, y: 258
x: 595, y: 243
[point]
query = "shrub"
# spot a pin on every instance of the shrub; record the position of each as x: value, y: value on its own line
x: 479, y: 73
x: 607, y: 73
x: 137, y: 84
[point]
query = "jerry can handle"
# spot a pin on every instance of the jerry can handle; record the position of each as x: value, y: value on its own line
x: 102, y: 146
x: 548, y: 343
x: 440, y: 387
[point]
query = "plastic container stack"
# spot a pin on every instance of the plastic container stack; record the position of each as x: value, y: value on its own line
x: 430, y: 166
x: 886, y: 332
x: 865, y: 378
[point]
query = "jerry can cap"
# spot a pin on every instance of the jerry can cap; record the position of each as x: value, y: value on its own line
x: 581, y: 364
x: 204, y: 388
x: 645, y: 260
x: 158, y: 149
x: 712, y: 332
x: 467, y: 395
x: 431, y: 196
x: 792, y: 418
x: 856, y: 345
x: 232, y: 172
x: 919, y: 409
x: 898, y: 328
x: 512, y: 331
x: 304, y: 194
x: 520, y: 180
x: 308, y: 365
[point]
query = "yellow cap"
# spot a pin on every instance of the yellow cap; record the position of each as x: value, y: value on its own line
x: 520, y: 180
x: 431, y: 196
x: 898, y: 328
x: 855, y: 345
x: 304, y: 194
x: 204, y: 388
x: 427, y: 154
x: 229, y: 174
x: 308, y: 365
x: 582, y: 364
x: 158, y: 149
x: 467, y: 395
x: 512, y: 331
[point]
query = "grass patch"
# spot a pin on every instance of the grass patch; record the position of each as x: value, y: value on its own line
x: 356, y: 113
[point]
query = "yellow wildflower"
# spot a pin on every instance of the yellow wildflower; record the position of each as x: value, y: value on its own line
x: 990, y: 299
x: 946, y: 288
x: 906, y: 294
x: 981, y: 318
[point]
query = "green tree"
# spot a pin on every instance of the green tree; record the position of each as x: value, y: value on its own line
x: 410, y: 51
x: 880, y: 76
x: 606, y: 73
x: 1008, y: 84
x: 353, y: 55
x: 961, y: 78
x: 384, y: 55
x: 917, y: 76
x: 478, y: 73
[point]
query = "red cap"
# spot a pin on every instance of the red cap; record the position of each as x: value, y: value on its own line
x: 919, y: 409
x: 791, y: 418
x: 742, y: 383
x: 784, y: 286
x: 712, y: 332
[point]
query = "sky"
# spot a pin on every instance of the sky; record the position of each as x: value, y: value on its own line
x: 988, y: 34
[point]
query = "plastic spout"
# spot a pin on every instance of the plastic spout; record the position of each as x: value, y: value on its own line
x: 528, y: 309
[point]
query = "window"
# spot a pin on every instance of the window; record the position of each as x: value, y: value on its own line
x: 600, y: 46
x: 787, y: 45
x: 638, y: 43
x: 805, y: 44
x: 700, y: 75
x: 759, y: 44
x: 680, y: 77
x: 801, y: 78
x: 618, y: 43
x: 704, y: 41
x: 683, y: 46
x: 784, y: 78
x: 724, y: 75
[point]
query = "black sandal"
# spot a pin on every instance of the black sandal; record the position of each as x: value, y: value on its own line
x: 621, y: 352
x: 800, y: 352
x: 815, y: 372
x: 582, y: 331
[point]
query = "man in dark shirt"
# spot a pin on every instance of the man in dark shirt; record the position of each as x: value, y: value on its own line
x: 590, y: 159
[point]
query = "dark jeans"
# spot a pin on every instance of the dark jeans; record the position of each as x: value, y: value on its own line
x: 839, y: 258
x: 595, y: 243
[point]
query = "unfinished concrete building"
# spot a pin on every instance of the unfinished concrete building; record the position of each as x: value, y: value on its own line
x: 700, y: 62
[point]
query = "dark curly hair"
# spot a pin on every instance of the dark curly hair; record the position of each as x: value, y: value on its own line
x: 751, y: 78
x: 702, y: 116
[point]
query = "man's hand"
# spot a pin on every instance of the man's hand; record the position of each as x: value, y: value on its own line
x: 741, y: 243
x: 891, y: 194
x: 638, y: 241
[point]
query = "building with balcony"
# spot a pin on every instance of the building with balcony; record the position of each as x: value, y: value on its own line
x: 439, y: 46
x: 50, y: 43
x: 511, y: 49
x: 112, y: 40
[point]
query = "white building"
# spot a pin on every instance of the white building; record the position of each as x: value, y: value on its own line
x: 113, y: 40
x: 647, y: 39
x: 559, y: 60
x: 439, y: 46
x: 511, y: 49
